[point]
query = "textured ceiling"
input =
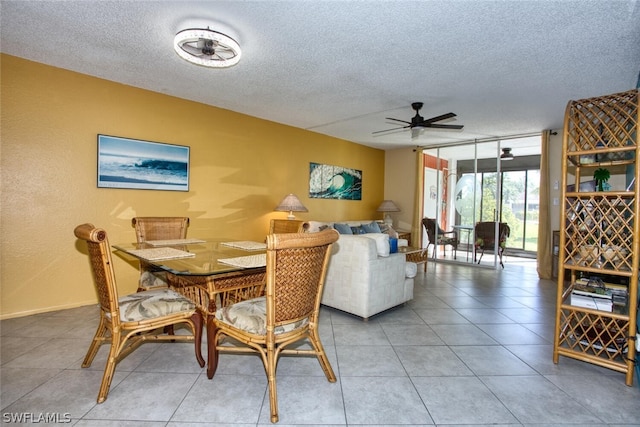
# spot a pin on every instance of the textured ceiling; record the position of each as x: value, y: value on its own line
x: 340, y: 67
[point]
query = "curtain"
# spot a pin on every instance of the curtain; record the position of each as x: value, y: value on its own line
x: 416, y: 229
x: 544, y: 260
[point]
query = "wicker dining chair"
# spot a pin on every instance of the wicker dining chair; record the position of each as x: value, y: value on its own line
x: 443, y: 237
x: 485, y: 238
x: 280, y: 226
x: 157, y: 228
x: 127, y: 322
x: 288, y: 313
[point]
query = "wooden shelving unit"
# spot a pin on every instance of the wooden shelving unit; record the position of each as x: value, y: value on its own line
x: 599, y: 233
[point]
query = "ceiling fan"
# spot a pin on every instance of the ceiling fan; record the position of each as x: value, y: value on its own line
x: 418, y: 122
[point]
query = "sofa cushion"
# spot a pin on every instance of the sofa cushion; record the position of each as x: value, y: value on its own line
x: 382, y: 242
x: 342, y: 228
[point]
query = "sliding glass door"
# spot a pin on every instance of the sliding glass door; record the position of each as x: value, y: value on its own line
x: 470, y: 184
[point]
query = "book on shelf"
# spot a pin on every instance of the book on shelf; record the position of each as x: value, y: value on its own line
x: 616, y: 292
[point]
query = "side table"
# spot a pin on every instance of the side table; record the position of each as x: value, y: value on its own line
x: 417, y: 255
x: 404, y: 235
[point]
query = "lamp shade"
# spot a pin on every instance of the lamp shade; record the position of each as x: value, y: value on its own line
x: 291, y: 204
x: 388, y: 206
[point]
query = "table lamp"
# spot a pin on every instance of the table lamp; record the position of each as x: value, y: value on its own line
x: 388, y: 206
x: 292, y: 204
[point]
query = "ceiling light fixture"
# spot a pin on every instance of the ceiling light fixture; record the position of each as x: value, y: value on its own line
x: 207, y: 48
x: 506, y: 154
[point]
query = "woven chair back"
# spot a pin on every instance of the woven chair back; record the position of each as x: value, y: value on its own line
x: 160, y: 227
x: 296, y: 268
x: 430, y: 225
x: 280, y: 226
x: 102, y: 267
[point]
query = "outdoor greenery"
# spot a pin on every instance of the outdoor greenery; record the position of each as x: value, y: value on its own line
x: 523, y: 220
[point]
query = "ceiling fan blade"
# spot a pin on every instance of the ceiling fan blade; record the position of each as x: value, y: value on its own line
x: 436, y: 126
x: 442, y: 117
x: 389, y: 130
x: 397, y: 120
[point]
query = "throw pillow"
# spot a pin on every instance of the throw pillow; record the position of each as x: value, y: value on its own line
x: 391, y: 232
x: 358, y: 230
x: 342, y: 228
x: 371, y: 228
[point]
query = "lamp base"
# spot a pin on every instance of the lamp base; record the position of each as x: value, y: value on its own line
x: 388, y: 220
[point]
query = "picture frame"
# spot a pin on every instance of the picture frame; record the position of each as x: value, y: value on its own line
x: 334, y: 182
x: 142, y: 165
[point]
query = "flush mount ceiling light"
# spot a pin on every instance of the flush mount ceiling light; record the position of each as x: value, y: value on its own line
x: 506, y: 154
x: 207, y: 48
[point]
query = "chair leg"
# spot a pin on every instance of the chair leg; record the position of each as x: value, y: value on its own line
x: 98, y: 339
x: 271, y: 379
x: 110, y: 367
x: 322, y: 356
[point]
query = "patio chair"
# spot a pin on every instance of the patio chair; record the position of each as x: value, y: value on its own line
x: 443, y: 238
x: 485, y: 238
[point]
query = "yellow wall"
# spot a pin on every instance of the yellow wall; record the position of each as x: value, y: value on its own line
x: 241, y: 167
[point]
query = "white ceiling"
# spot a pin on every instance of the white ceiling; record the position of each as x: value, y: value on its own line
x: 340, y: 67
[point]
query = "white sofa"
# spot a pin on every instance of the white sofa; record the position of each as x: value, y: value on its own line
x: 363, y: 279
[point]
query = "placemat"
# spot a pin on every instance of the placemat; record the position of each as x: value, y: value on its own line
x: 247, y: 245
x: 174, y: 242
x: 157, y: 254
x: 249, y: 261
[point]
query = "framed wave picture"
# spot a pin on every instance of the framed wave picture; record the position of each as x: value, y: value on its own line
x: 145, y: 165
x: 334, y: 182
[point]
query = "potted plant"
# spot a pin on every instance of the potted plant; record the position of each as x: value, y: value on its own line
x: 601, y: 175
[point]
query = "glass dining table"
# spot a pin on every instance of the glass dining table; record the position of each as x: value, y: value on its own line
x: 210, y: 273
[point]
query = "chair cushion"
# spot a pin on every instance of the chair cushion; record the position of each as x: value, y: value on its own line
x: 447, y: 240
x: 152, y: 304
x: 251, y: 316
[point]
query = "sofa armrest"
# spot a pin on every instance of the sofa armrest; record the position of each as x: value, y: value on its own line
x: 357, y: 246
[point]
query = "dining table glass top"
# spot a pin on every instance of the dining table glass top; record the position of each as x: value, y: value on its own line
x: 198, y: 257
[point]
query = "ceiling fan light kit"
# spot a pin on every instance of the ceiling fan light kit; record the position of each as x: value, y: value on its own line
x: 203, y: 46
x: 418, y: 122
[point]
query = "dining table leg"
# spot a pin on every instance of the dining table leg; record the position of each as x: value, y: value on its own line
x: 197, y: 336
x: 212, y: 359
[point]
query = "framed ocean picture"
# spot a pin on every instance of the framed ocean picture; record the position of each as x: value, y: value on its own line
x: 334, y: 182
x: 144, y: 165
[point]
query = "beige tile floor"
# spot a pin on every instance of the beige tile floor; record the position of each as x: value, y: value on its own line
x: 474, y: 347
